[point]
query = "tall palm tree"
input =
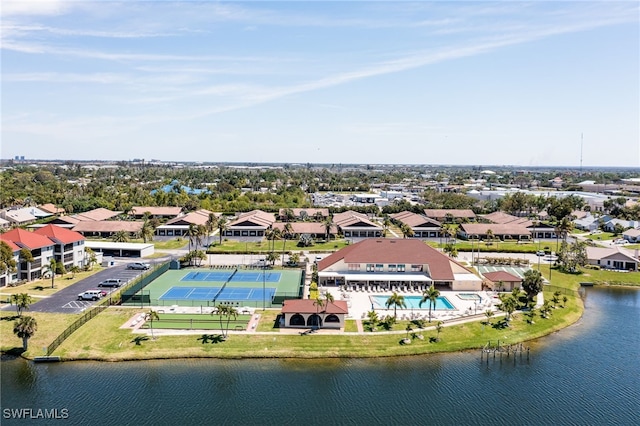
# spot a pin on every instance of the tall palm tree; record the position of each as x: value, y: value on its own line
x: 210, y: 225
x: 147, y: 231
x: 396, y: 300
x: 328, y: 226
x: 22, y: 302
x: 228, y: 312
x: 192, y: 233
x: 51, y: 268
x: 287, y: 232
x: 386, y: 224
x: 25, y: 328
x: 222, y: 226
x: 91, y: 257
x: 431, y: 295
x: 152, y: 316
x: 319, y: 304
x: 74, y: 269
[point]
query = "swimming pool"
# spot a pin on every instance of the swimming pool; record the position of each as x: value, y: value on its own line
x: 413, y: 302
x: 470, y: 296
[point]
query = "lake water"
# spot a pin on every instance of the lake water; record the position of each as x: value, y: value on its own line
x: 587, y: 374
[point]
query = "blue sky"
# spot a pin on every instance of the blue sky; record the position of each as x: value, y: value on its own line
x: 478, y: 83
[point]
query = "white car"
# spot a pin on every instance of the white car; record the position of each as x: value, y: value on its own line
x: 90, y: 295
x: 138, y: 265
x: 620, y: 242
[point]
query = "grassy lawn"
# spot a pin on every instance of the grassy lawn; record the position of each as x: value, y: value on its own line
x: 350, y: 326
x: 113, y: 343
x: 603, y: 277
x: 506, y: 246
x: 198, y: 321
x: 268, y: 320
x: 43, y: 287
x: 49, y: 327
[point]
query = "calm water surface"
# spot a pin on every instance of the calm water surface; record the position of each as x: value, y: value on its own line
x: 588, y: 374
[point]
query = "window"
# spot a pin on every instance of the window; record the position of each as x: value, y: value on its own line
x: 379, y: 267
x: 354, y: 266
x: 392, y: 267
x: 370, y: 267
x: 416, y: 268
x: 401, y: 268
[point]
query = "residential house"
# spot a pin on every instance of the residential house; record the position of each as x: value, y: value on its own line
x: 179, y: 226
x: 503, y: 280
x: 422, y: 227
x: 507, y: 231
x: 590, y: 222
x: 451, y: 215
x: 69, y: 245
x: 356, y: 225
x: 251, y: 224
x: 51, y: 209
x: 40, y: 246
x: 612, y: 258
x: 632, y: 235
x: 305, y: 313
x: 394, y: 264
x: 626, y: 224
x: 107, y: 228
x: 162, y: 213
x: 304, y: 214
x: 7, y: 277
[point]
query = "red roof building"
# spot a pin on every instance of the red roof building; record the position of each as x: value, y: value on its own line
x: 305, y: 313
x: 393, y: 264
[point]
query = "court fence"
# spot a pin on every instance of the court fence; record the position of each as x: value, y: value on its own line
x: 91, y: 313
x: 129, y: 292
x: 143, y: 299
x: 136, y: 284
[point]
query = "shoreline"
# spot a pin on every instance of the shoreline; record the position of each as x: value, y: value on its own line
x: 387, y: 342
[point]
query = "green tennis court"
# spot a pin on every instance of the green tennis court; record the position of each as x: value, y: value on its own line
x: 197, y: 322
x: 279, y: 285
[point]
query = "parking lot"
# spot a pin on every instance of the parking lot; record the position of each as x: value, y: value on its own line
x: 66, y: 300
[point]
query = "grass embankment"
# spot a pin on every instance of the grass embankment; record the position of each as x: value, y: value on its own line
x: 114, y: 344
x: 49, y: 327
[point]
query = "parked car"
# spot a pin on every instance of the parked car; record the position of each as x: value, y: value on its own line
x: 540, y: 253
x: 139, y: 266
x: 620, y: 241
x: 111, y: 282
x: 103, y: 293
x: 90, y: 295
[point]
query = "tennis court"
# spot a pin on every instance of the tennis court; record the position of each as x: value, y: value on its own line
x: 217, y: 294
x: 513, y: 270
x: 233, y: 276
x: 209, y: 287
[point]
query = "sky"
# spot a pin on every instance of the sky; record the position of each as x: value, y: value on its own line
x: 539, y: 83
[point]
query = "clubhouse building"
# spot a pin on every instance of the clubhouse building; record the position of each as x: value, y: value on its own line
x: 394, y: 264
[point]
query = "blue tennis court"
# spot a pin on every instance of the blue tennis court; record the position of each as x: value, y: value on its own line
x: 231, y: 276
x: 219, y: 293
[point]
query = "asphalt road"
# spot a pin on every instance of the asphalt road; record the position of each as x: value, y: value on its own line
x: 66, y: 300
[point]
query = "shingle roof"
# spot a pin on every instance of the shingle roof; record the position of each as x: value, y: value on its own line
x: 11, y: 245
x: 352, y: 218
x: 389, y: 250
x: 502, y: 276
x: 442, y: 213
x: 108, y: 226
x: 504, y: 218
x: 257, y: 217
x: 51, y: 208
x: 26, y: 239
x: 199, y: 217
x: 97, y: 214
x: 156, y: 211
x: 310, y: 306
x: 59, y: 234
x: 415, y: 220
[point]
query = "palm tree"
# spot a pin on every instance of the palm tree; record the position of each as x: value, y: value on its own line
x: 372, y: 317
x: 438, y: 330
x: 151, y: 316
x: 210, y: 225
x: 51, y: 268
x: 222, y: 227
x: 288, y: 215
x: 272, y: 257
x: 396, y: 300
x: 229, y: 312
x: 74, y: 269
x: 287, y: 231
x: 319, y: 304
x: 431, y: 295
x: 328, y: 224
x: 22, y: 302
x: 25, y: 328
x: 120, y: 237
x: 192, y: 233
x: 406, y: 230
x: 508, y: 305
x: 386, y: 224
x: 489, y: 236
x: 488, y: 313
x: 91, y: 257
x: 147, y: 231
